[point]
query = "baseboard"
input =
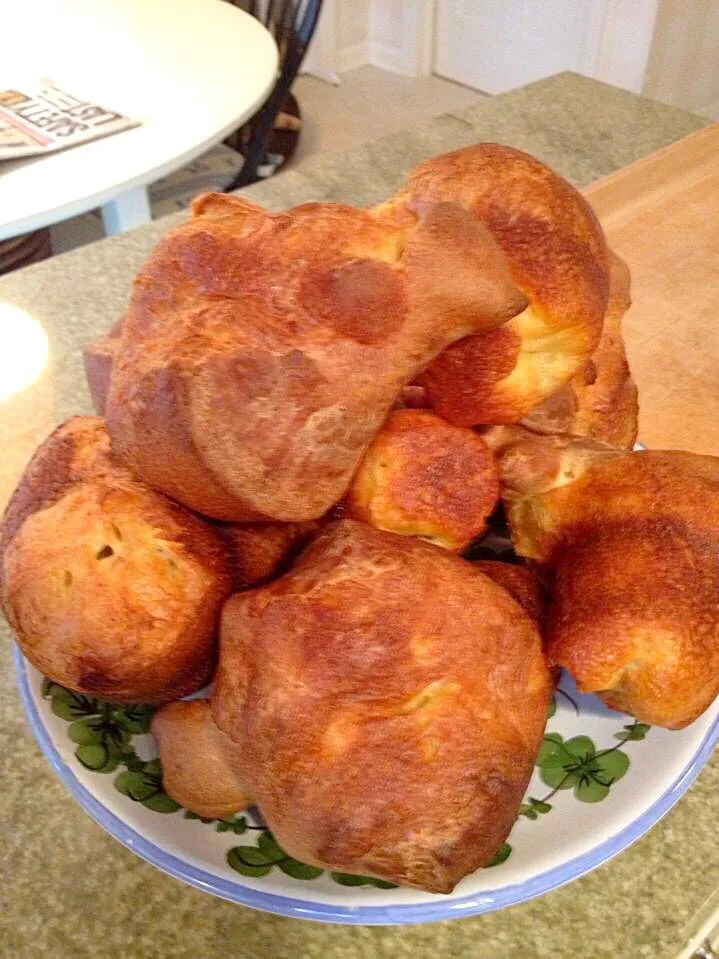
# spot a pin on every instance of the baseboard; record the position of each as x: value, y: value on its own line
x: 353, y: 56
x: 387, y: 57
x: 382, y: 55
x: 321, y: 73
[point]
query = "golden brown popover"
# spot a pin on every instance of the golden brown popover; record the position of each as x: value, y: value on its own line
x: 261, y: 352
x: 600, y: 402
x: 386, y: 702
x: 257, y: 551
x: 520, y: 582
x: 558, y: 257
x: 196, y: 770
x: 111, y: 589
x: 424, y: 477
x: 632, y: 541
x: 98, y: 358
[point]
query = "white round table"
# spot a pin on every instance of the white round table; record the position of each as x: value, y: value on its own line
x: 190, y: 70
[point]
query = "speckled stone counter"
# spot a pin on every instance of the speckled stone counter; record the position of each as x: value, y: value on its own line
x: 69, y: 890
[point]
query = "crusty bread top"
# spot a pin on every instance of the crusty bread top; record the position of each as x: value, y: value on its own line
x: 558, y: 257
x: 600, y: 402
x: 256, y: 552
x: 98, y: 358
x: 111, y: 588
x: 425, y: 477
x: 261, y: 352
x: 634, y: 614
x: 520, y: 582
x: 556, y: 491
x: 196, y: 770
x: 77, y: 450
x: 631, y: 541
x: 386, y: 701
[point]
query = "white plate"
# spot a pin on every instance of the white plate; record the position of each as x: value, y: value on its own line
x: 561, y: 843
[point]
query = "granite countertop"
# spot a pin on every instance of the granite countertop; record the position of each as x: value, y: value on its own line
x: 67, y: 888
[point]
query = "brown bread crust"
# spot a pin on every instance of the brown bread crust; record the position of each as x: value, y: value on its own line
x: 111, y: 589
x: 424, y: 477
x: 386, y: 702
x: 261, y: 352
x: 558, y: 257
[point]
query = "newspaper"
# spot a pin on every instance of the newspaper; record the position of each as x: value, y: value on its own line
x: 42, y: 118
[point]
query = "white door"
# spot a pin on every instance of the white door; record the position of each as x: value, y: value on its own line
x: 495, y: 45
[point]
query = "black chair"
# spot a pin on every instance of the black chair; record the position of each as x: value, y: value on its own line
x: 292, y: 23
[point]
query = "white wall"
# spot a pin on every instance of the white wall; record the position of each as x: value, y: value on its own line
x: 353, y: 19
x: 341, y: 41
x: 623, y: 42
x: 497, y: 45
x: 386, y: 21
x: 392, y: 34
x: 321, y: 58
x: 684, y: 59
x: 397, y: 36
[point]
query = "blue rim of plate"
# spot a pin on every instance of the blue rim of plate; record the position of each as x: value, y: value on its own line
x: 361, y: 915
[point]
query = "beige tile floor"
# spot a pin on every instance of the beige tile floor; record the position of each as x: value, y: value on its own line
x: 369, y: 103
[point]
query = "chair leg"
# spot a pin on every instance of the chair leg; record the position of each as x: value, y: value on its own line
x: 261, y: 133
x: 261, y: 129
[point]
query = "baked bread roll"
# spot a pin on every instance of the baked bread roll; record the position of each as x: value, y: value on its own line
x: 558, y: 257
x: 98, y: 358
x: 600, y: 402
x: 111, y: 589
x: 424, y: 477
x: 632, y: 541
x: 386, y: 702
x: 196, y: 770
x: 262, y: 352
x: 520, y: 582
x: 257, y: 551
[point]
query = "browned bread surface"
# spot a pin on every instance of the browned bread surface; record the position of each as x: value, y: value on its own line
x: 386, y: 701
x: 257, y: 551
x: 424, y: 477
x: 520, y: 582
x: 634, y: 617
x: 601, y: 401
x: 261, y: 352
x: 558, y: 258
x: 111, y: 589
x: 195, y: 769
x: 98, y: 358
x: 633, y: 542
x: 575, y: 483
x: 531, y: 465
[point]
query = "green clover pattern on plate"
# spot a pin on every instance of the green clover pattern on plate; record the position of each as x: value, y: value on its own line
x: 103, y: 736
